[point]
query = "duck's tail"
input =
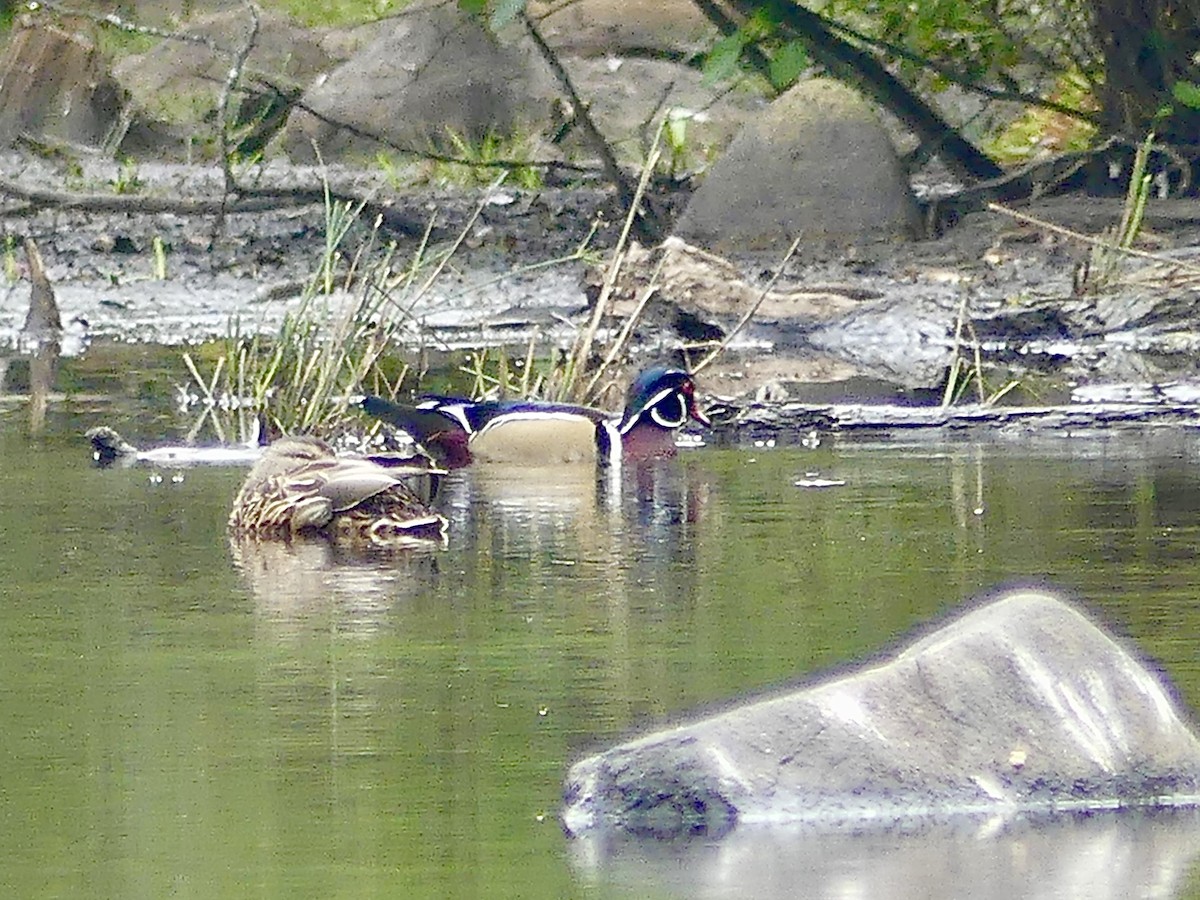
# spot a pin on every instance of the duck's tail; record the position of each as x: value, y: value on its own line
x: 439, y: 435
x: 417, y: 423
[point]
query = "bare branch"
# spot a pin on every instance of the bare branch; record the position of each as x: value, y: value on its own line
x: 112, y: 20
x: 646, y: 224
x: 232, y: 77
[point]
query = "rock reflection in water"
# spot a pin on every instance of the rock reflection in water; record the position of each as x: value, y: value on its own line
x: 295, y: 581
x: 1101, y: 857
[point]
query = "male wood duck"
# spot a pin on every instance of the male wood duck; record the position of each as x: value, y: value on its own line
x: 300, y: 486
x: 456, y: 432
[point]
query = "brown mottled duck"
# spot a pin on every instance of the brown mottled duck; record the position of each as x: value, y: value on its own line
x: 301, y: 487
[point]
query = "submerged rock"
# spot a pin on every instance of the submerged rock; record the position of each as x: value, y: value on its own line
x: 1021, y: 705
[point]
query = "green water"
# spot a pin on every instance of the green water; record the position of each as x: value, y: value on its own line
x: 186, y: 718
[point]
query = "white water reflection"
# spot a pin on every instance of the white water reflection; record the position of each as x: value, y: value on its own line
x: 1099, y: 857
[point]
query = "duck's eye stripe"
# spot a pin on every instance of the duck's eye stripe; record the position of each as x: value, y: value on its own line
x: 669, y: 411
x: 457, y: 412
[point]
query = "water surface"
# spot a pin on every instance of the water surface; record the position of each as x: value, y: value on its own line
x: 188, y: 717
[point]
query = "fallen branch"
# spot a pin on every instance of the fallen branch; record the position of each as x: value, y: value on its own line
x: 968, y: 421
x: 425, y: 154
x: 646, y: 222
x: 1038, y: 178
x: 238, y: 62
x: 249, y: 200
x: 1106, y: 243
x: 749, y: 313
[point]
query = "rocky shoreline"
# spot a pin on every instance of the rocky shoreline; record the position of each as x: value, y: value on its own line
x: 891, y: 320
x: 161, y: 252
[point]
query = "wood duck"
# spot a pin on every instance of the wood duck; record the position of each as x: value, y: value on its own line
x: 300, y: 486
x: 456, y: 432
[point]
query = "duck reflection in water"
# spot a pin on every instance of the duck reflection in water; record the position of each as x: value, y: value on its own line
x: 643, y: 515
x: 309, y: 529
x: 311, y: 583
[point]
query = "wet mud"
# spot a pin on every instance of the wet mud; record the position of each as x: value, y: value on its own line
x: 1001, y: 294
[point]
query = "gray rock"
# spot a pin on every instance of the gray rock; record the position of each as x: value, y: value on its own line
x: 1020, y: 705
x: 592, y: 28
x: 627, y: 97
x: 431, y: 71
x: 904, y: 338
x: 177, y: 84
x: 817, y: 163
x: 54, y: 84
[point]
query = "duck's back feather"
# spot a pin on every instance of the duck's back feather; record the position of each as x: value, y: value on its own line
x: 301, y: 487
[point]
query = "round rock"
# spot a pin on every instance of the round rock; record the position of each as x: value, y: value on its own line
x: 818, y: 164
x: 432, y: 73
x: 1022, y: 705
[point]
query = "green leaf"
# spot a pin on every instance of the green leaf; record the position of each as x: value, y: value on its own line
x: 477, y: 8
x: 1187, y: 93
x: 505, y: 11
x: 762, y: 24
x: 787, y: 63
x: 676, y: 133
x: 722, y: 60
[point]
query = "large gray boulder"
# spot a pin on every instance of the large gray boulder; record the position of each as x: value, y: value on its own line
x: 431, y: 71
x: 816, y: 163
x: 55, y: 85
x: 177, y: 84
x: 190, y: 74
x: 626, y: 98
x: 597, y: 28
x: 1021, y: 706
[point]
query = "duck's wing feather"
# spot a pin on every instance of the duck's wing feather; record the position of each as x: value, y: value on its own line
x: 345, y: 483
x: 441, y: 433
x: 481, y: 414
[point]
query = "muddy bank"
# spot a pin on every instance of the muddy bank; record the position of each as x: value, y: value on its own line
x: 990, y: 283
